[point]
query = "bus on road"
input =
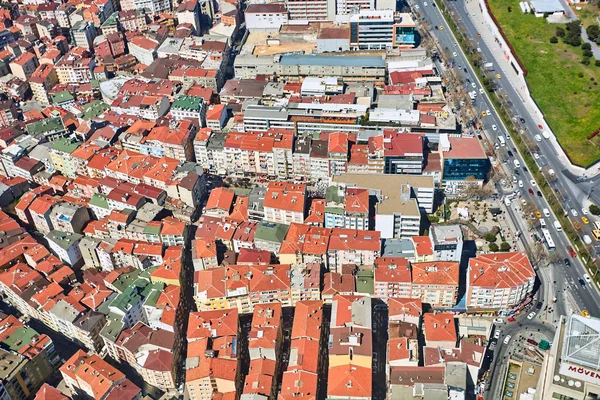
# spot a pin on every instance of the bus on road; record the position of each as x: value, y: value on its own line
x: 548, y: 241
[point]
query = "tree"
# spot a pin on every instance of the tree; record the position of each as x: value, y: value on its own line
x: 593, y: 32
x: 586, y: 46
x: 597, y: 63
x: 509, y: 9
x: 433, y: 219
x: 594, y: 209
x: 504, y: 246
x: 493, y: 247
x: 585, y: 61
x: 553, y: 40
x: 490, y: 237
x: 560, y: 32
x: 587, y: 53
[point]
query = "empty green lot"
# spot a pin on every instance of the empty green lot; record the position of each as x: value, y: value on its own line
x: 570, y: 103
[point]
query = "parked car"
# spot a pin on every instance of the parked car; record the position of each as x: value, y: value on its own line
x: 531, y: 315
x: 567, y: 262
x: 587, y: 278
x: 507, y: 339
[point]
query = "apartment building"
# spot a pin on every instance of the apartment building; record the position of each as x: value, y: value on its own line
x: 347, y: 208
x: 499, y: 281
x: 24, y: 65
x: 66, y: 246
x: 74, y: 69
x: 143, y: 49
x: 189, y: 13
x: 436, y: 283
x: 285, y: 202
x: 189, y: 107
x: 267, y: 17
x: 447, y: 242
x: 83, y: 34
x: 349, y: 246
x: 41, y: 81
x: 392, y: 278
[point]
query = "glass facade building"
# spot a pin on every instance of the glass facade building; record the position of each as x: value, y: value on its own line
x: 458, y: 169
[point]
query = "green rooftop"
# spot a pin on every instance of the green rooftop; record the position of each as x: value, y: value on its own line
x: 62, y: 97
x: 21, y: 337
x: 189, y: 103
x: 63, y: 239
x: 365, y: 282
x: 155, y: 290
x: 126, y: 279
x: 152, y: 230
x: 99, y: 200
x: 65, y: 145
x: 46, y: 126
x: 271, y: 232
x: 113, y: 328
x: 332, y: 195
x: 131, y: 295
x: 111, y: 21
x: 94, y: 109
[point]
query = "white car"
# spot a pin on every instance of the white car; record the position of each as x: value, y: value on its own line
x: 531, y: 315
x: 473, y: 85
x: 479, y: 49
x: 494, y: 128
x: 488, y: 112
x: 587, y: 278
x: 574, y: 212
x: 498, y: 321
x: 453, y: 54
x: 520, y: 184
x: 532, y: 183
x: 536, y: 156
x: 538, y: 138
x: 481, y: 90
x: 497, y: 335
x: 425, y: 4
x: 507, y: 339
x: 585, y: 211
x: 416, y: 6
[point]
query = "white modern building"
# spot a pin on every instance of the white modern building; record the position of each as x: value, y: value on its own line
x: 266, y: 17
x: 66, y: 246
x: 447, y: 242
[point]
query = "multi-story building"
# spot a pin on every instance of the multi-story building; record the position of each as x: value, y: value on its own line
x: 403, y: 153
x: 347, y: 7
x: 266, y: 17
x: 447, y: 242
x: 499, y: 281
x: 40, y: 209
x: 66, y: 246
x: 74, y: 69
x: 189, y: 107
x: 349, y: 246
x: 392, y: 278
x: 24, y: 65
x: 170, y: 141
x: 311, y: 10
x: 83, y: 33
x: 43, y: 79
x: 69, y: 217
x: 347, y: 208
x: 436, y: 283
x: 60, y: 156
x: 285, y: 202
x: 381, y: 29
x: 143, y: 49
x: 8, y: 113
x: 189, y: 13
x: 464, y: 160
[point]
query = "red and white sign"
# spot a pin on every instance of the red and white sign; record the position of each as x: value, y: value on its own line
x: 580, y: 373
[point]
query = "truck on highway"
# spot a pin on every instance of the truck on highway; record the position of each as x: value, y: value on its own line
x: 501, y: 140
x: 488, y: 66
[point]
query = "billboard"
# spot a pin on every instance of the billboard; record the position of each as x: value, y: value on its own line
x: 580, y: 373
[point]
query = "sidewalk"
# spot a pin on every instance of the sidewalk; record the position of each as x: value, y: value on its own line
x: 474, y: 9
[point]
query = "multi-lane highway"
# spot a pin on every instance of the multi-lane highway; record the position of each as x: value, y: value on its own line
x: 568, y: 278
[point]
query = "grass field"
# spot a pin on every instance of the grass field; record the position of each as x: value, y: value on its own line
x: 570, y: 103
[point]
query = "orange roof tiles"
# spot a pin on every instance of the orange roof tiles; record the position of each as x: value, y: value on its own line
x: 334, y: 283
x: 204, y: 248
x: 308, y: 319
x: 172, y: 226
x: 298, y: 385
x: 205, y: 324
x: 349, y: 381
x: 392, y: 270
x: 346, y: 239
x: 500, y: 270
x: 316, y: 213
x: 423, y: 245
x: 240, y: 209
x: 404, y: 306
x: 220, y: 198
x: 439, y: 327
x: 436, y: 273
x: 356, y: 200
x: 285, y: 196
x: 43, y: 204
x: 94, y: 371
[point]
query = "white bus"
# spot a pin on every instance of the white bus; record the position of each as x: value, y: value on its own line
x: 548, y: 241
x: 501, y: 140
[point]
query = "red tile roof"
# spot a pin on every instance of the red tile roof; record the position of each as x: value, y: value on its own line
x: 220, y: 198
x: 349, y: 381
x: 500, y: 270
x: 285, y: 196
x: 436, y: 273
x: 439, y: 327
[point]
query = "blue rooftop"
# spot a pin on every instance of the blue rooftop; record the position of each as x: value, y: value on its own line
x: 332, y: 61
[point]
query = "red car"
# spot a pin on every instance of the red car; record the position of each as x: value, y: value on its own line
x: 531, y: 191
x: 511, y: 319
x: 572, y: 253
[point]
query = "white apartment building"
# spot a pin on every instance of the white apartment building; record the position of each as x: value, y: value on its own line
x: 265, y: 17
x: 65, y: 246
x: 447, y: 242
x: 311, y: 10
x: 499, y: 281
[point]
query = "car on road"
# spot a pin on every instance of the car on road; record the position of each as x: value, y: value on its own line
x: 585, y: 211
x: 441, y: 27
x: 498, y: 76
x: 532, y: 183
x: 581, y: 282
x: 531, y: 191
x: 510, y: 153
x: 587, y: 278
x: 416, y: 7
x: 538, y: 138
x: 546, y: 212
x: 531, y: 315
x: 483, y: 114
x: 521, y: 183
x: 498, y: 321
x: 473, y: 85
x: 507, y: 339
x: 425, y: 4
x: 538, y: 214
x: 511, y: 319
x: 585, y: 313
x: 585, y: 220
x: 574, y: 212
x: 539, y: 194
x: 536, y: 156
x: 488, y: 112
x: 481, y: 90
x: 497, y: 334
x: 494, y: 128
x: 567, y: 262
x: 454, y: 54
x: 587, y: 239
x: 571, y: 252
x: 539, y: 305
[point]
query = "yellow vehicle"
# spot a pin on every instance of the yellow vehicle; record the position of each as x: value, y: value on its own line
x: 441, y: 28
x: 483, y: 114
x: 596, y: 234
x: 498, y: 76
x: 538, y: 214
x: 585, y: 313
x: 585, y: 220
